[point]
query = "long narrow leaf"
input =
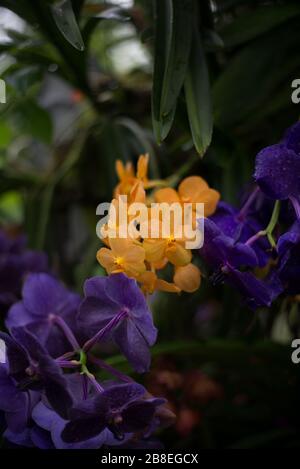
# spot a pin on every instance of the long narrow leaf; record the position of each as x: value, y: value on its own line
x: 163, y: 13
x: 178, y: 56
x: 65, y: 20
x: 173, y: 35
x: 198, y: 96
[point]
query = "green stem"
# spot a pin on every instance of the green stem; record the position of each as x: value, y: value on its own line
x: 274, y: 217
x: 268, y: 231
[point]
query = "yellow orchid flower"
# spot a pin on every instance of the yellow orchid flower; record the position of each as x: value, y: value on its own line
x: 128, y: 178
x: 125, y: 255
x: 171, y: 248
x: 193, y: 189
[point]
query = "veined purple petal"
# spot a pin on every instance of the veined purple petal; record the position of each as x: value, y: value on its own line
x: 277, y: 172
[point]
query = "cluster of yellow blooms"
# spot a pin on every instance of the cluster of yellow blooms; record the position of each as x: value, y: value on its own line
x: 141, y: 258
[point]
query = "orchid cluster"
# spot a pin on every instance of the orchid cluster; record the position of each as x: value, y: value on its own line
x: 142, y: 258
x: 250, y: 247
x: 50, y: 390
x: 54, y: 390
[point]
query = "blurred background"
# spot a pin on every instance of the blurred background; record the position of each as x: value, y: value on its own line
x: 84, y: 81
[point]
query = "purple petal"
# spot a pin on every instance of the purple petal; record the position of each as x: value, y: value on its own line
x: 95, y: 286
x: 236, y: 254
x: 49, y: 420
x: 137, y: 416
x: 133, y: 345
x: 290, y: 238
x: 257, y: 293
x: 79, y: 430
x: 16, y: 355
x: 43, y: 295
x: 41, y: 438
x: 124, y: 291
x: 120, y: 395
x: 11, y: 399
x: 277, y: 172
x: 95, y: 313
x: 56, y: 386
x: 17, y: 316
x: 292, y: 138
x: 17, y: 421
x: 22, y: 439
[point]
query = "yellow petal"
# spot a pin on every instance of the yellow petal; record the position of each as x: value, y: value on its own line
x: 137, y: 194
x: 119, y: 246
x: 162, y: 285
x: 187, y: 278
x: 159, y: 264
x: 134, y: 269
x: 147, y: 279
x: 210, y: 198
x: 134, y: 260
x: 191, y: 188
x: 154, y: 249
x: 106, y: 258
x: 142, y: 166
x: 134, y: 254
x: 178, y: 255
x: 167, y: 195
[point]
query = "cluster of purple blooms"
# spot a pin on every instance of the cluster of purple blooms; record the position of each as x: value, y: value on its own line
x: 257, y: 248
x: 50, y: 391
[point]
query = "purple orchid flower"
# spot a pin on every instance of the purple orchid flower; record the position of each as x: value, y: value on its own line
x: 120, y: 408
x: 48, y: 420
x: 45, y: 302
x: 277, y: 168
x: 227, y: 257
x: 240, y: 228
x: 115, y: 307
x: 30, y: 365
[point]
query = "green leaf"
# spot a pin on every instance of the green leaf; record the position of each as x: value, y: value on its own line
x: 65, y: 20
x: 33, y: 120
x: 173, y: 33
x: 198, y: 97
x: 253, y: 24
x: 163, y: 32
